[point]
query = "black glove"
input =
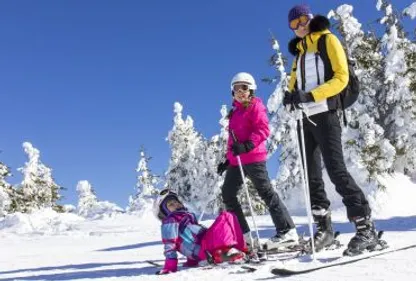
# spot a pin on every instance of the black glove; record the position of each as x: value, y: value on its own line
x: 240, y: 148
x: 287, y: 99
x: 222, y: 167
x: 300, y: 96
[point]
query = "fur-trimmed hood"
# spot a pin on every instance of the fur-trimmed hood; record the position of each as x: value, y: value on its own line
x: 317, y: 24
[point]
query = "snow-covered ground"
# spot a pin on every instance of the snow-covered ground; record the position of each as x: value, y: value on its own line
x: 45, y: 246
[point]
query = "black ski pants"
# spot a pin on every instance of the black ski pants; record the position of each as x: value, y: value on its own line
x: 257, y: 173
x: 324, y: 140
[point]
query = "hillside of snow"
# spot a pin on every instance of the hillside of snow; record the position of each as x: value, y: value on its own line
x: 48, y: 246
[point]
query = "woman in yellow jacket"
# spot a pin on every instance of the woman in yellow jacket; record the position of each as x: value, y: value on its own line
x: 317, y: 93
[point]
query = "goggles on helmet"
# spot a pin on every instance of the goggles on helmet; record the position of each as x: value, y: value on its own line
x: 300, y: 21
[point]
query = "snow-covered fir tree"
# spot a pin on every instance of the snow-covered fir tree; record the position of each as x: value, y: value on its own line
x: 211, y: 153
x: 38, y: 187
x: 89, y: 206
x: 283, y: 136
x: 86, y: 198
x: 396, y: 100
x: 409, y: 48
x: 365, y: 148
x: 146, y: 190
x: 184, y: 142
x: 6, y: 191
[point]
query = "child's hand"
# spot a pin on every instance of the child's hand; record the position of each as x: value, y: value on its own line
x: 171, y: 265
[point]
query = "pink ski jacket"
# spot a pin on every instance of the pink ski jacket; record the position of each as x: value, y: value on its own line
x: 249, y: 123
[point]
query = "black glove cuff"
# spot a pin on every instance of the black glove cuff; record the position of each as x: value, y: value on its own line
x: 249, y: 145
x: 309, y: 96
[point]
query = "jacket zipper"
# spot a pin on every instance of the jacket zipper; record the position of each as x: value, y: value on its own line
x: 302, y: 64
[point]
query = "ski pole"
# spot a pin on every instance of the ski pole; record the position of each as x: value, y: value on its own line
x: 302, y: 152
x: 247, y: 193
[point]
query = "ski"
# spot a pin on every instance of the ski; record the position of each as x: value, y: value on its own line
x: 154, y: 263
x: 310, y: 267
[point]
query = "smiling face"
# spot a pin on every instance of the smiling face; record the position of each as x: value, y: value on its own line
x: 302, y: 31
x: 241, y: 92
x: 300, y: 25
x: 172, y: 204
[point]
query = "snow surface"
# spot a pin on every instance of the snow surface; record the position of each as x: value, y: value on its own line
x: 48, y: 246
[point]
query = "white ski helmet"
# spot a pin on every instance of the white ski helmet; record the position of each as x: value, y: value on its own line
x: 160, y: 209
x: 246, y: 78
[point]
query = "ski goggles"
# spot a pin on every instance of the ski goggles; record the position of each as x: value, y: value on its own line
x: 300, y: 21
x: 164, y: 192
x: 241, y: 87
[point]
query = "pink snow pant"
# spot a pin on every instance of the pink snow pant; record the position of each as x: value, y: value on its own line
x: 224, y: 232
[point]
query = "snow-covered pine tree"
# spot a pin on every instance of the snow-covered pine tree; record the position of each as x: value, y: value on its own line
x: 184, y: 141
x: 86, y: 198
x: 364, y: 144
x: 409, y: 48
x: 89, y: 206
x: 6, y: 191
x: 283, y: 135
x: 146, y: 190
x: 204, y: 183
x: 208, y: 183
x: 396, y: 100
x: 38, y: 187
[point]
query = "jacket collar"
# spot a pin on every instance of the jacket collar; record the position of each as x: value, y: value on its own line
x: 239, y: 105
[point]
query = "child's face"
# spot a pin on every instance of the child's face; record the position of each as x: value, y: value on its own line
x: 173, y: 205
x: 241, y: 92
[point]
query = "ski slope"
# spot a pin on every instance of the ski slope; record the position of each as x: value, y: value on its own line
x: 47, y: 246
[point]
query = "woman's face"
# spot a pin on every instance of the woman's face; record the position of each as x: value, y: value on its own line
x: 241, y: 92
x: 300, y: 25
x: 173, y: 205
x: 302, y: 31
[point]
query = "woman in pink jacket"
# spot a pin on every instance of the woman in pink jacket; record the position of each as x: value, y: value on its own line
x: 249, y: 123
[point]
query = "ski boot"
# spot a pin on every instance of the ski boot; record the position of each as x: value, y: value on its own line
x: 324, y: 236
x: 226, y: 254
x: 282, y: 240
x: 365, y: 239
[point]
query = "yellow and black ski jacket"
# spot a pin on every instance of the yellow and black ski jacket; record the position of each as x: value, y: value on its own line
x: 308, y: 69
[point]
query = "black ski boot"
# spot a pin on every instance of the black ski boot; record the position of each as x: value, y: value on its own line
x: 324, y: 235
x: 366, y: 237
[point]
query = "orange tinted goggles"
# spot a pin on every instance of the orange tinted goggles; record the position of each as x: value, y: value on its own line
x: 300, y: 21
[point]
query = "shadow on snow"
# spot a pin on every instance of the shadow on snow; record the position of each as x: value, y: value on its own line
x: 133, y: 246
x: 391, y: 224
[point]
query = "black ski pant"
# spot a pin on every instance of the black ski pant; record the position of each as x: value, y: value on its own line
x: 324, y: 140
x: 257, y: 173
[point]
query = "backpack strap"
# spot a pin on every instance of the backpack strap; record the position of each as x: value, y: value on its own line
x: 329, y: 73
x: 295, y: 86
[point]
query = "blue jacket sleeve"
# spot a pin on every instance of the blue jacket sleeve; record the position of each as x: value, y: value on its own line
x: 170, y: 235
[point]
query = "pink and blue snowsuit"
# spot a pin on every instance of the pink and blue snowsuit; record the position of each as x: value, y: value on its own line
x: 182, y: 233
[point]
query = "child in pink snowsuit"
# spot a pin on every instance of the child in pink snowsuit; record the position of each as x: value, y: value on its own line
x: 182, y: 233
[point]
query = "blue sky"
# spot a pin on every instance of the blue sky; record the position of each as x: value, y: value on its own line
x: 89, y: 82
